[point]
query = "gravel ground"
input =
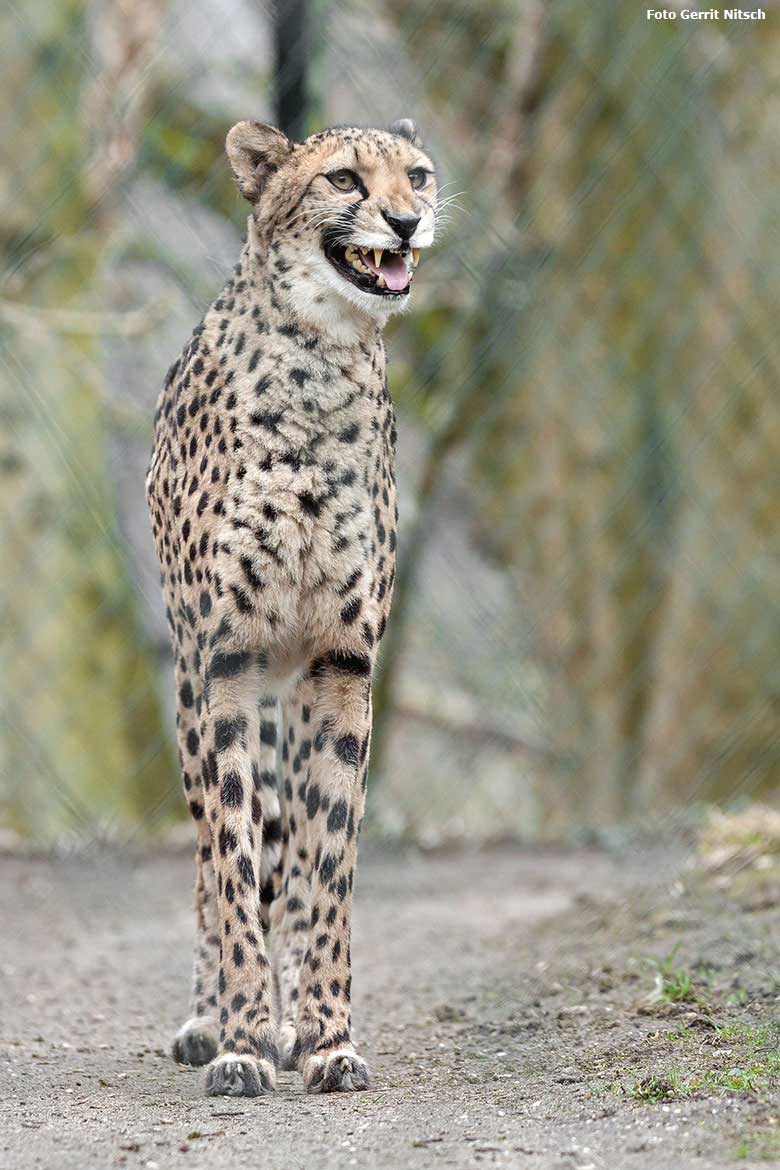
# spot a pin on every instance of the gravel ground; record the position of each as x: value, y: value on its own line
x: 501, y: 1000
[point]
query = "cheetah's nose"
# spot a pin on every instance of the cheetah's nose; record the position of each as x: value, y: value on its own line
x: 402, y: 224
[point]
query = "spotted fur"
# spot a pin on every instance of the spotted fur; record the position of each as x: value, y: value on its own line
x: 273, y: 504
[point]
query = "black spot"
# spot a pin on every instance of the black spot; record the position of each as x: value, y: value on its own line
x: 350, y: 582
x: 350, y: 611
x: 273, y: 830
x: 257, y: 810
x: 310, y: 504
x: 312, y: 800
x: 226, y: 730
x: 327, y: 868
x: 205, y: 604
x: 228, y: 841
x: 227, y: 665
x: 211, y: 769
x: 243, y: 600
x: 232, y: 789
x: 337, y: 817
x: 185, y: 695
x: 268, y: 735
x: 252, y: 576
x: 267, y: 419
x: 238, y: 955
x: 343, y: 661
x: 347, y: 749
x: 246, y: 869
x: 321, y: 738
x: 193, y: 741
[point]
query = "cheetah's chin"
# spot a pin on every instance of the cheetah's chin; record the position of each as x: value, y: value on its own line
x: 381, y: 271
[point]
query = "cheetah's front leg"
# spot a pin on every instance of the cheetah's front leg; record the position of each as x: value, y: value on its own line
x: 335, y: 795
x: 291, y: 911
x: 196, y: 1041
x: 246, y: 1061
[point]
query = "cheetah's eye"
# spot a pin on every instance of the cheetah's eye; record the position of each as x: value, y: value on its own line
x: 343, y: 180
x: 418, y: 178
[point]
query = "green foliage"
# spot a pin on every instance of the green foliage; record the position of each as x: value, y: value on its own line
x: 83, y: 750
x: 761, y: 1144
x: 759, y: 1077
x: 184, y: 146
x: 593, y: 337
x: 653, y: 1088
x: 672, y: 984
x: 624, y: 438
x: 738, y: 1058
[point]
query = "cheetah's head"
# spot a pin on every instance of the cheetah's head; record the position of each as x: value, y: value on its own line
x: 341, y: 216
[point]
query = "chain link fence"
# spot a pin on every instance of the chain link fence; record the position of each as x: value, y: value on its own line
x: 586, y: 621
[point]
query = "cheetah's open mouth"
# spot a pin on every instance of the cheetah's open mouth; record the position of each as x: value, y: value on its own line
x: 375, y: 270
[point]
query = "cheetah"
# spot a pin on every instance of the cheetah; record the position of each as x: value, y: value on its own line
x: 272, y: 497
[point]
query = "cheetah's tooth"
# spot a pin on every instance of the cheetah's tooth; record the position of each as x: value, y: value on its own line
x: 349, y: 252
x: 415, y: 256
x: 380, y: 280
x: 378, y: 256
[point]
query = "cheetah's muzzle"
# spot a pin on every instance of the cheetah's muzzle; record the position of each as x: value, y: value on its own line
x: 381, y: 271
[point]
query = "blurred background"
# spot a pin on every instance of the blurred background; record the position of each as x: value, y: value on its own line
x: 586, y: 622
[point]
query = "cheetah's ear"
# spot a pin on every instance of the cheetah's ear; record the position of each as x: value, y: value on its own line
x: 255, y: 151
x: 405, y: 128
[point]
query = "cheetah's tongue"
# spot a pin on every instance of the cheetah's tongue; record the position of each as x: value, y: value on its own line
x: 393, y: 268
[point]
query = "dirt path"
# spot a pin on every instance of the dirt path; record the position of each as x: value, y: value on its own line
x: 496, y: 1000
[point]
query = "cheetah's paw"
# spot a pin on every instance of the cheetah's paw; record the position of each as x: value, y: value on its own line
x: 232, y: 1075
x: 196, y: 1041
x: 340, y: 1071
